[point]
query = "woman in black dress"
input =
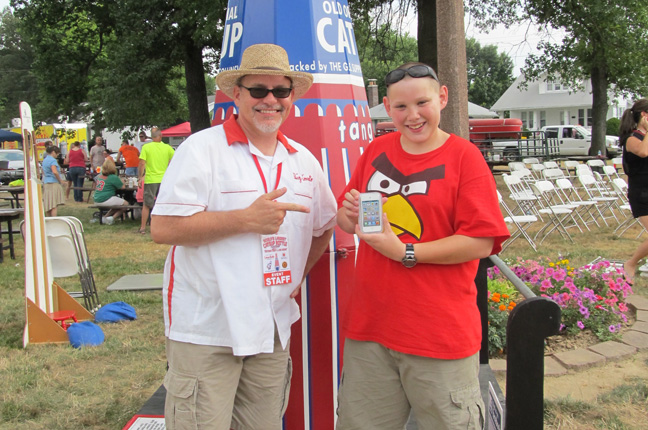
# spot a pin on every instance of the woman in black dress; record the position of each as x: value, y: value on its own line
x: 633, y: 134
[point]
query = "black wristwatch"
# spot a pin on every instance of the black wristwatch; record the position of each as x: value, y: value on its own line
x: 409, y: 260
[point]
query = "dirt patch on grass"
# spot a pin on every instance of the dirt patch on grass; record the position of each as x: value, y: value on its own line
x: 587, y: 385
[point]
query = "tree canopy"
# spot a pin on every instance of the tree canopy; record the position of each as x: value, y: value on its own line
x: 16, y: 57
x: 490, y: 73
x: 129, y: 63
x: 604, y: 41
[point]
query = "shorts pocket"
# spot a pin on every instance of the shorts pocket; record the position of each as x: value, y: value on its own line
x: 180, y: 405
x: 286, y: 393
x: 469, y: 411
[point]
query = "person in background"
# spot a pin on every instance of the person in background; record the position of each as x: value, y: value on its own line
x: 413, y: 333
x: 76, y: 159
x: 97, y: 155
x: 130, y: 155
x: 154, y: 160
x: 229, y: 190
x: 143, y: 138
x: 107, y: 184
x: 52, y: 182
x: 633, y: 139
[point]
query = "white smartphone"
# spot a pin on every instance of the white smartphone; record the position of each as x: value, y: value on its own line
x: 370, y: 218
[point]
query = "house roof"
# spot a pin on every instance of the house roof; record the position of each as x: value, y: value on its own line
x: 378, y: 112
x: 535, y: 96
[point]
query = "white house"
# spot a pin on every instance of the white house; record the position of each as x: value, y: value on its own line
x: 546, y: 102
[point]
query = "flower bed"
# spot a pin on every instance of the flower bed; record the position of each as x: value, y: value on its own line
x: 591, y: 298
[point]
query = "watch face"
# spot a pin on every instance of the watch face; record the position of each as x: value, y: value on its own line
x: 409, y: 262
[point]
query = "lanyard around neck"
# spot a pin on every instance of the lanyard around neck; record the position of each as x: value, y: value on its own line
x: 265, y: 185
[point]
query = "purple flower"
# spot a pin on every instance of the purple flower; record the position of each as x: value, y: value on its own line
x: 580, y: 325
x: 612, y: 328
x: 562, y: 327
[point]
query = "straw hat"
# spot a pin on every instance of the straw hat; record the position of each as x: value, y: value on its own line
x: 264, y: 59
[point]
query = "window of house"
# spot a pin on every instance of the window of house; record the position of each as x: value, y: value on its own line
x: 523, y: 117
x: 589, y: 117
x: 555, y: 86
x: 543, y: 118
x: 531, y: 124
x: 581, y: 116
x: 561, y: 115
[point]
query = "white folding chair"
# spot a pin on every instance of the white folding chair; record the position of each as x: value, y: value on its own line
x: 69, y: 256
x: 523, y: 197
x: 530, y: 160
x: 557, y: 214
x: 520, y: 222
x: 537, y: 169
x: 605, y: 202
x: 516, y: 165
x: 596, y: 163
x: 585, y: 209
x: 551, y: 165
x: 583, y: 169
x: 620, y: 187
x: 551, y: 174
x: 571, y: 165
x: 610, y: 173
x: 617, y: 162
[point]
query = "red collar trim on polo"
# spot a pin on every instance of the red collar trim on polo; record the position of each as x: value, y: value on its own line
x: 234, y: 133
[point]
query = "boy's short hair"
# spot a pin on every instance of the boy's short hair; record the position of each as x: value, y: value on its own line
x: 413, y: 69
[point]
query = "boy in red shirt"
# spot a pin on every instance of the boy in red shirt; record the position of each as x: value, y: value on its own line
x: 413, y: 333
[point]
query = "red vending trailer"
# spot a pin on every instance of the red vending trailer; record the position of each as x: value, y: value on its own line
x: 332, y: 120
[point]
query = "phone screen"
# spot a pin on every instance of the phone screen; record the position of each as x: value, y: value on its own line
x: 370, y: 213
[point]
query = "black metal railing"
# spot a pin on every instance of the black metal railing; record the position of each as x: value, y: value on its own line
x: 529, y: 324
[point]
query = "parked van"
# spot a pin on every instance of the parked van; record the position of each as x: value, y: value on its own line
x: 577, y: 140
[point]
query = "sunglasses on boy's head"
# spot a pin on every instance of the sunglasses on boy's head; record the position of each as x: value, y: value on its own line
x: 261, y: 93
x: 418, y: 71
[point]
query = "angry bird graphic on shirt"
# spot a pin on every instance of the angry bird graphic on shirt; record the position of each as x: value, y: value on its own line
x: 399, y: 190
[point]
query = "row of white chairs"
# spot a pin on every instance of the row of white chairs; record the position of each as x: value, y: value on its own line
x: 555, y: 200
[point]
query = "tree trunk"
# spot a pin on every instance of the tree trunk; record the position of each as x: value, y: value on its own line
x: 427, y: 32
x: 599, y: 109
x: 451, y: 47
x: 196, y: 89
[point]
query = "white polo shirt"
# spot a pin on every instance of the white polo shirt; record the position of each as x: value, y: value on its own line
x: 214, y: 294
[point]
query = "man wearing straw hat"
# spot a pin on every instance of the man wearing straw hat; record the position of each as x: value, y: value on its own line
x: 248, y: 213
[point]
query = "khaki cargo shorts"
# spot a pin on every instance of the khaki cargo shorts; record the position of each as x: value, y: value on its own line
x: 210, y: 388
x: 380, y: 386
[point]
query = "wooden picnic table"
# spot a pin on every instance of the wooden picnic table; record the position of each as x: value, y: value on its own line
x: 7, y: 216
x: 15, y: 194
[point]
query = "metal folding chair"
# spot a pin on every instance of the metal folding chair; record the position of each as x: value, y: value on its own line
x: 521, y: 223
x: 605, y: 202
x: 69, y: 257
x: 585, y: 209
x: 557, y: 213
x: 620, y: 187
x: 516, y: 165
x: 523, y: 197
x: 537, y: 169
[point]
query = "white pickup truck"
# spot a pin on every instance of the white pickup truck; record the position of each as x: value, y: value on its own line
x: 577, y: 140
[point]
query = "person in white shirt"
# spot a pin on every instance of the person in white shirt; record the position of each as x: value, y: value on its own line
x: 248, y: 212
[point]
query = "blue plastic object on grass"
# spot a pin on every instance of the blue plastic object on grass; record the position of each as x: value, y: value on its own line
x: 85, y: 333
x: 116, y: 311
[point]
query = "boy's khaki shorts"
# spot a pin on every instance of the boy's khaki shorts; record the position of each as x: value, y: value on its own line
x: 379, y: 387
x: 209, y: 388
